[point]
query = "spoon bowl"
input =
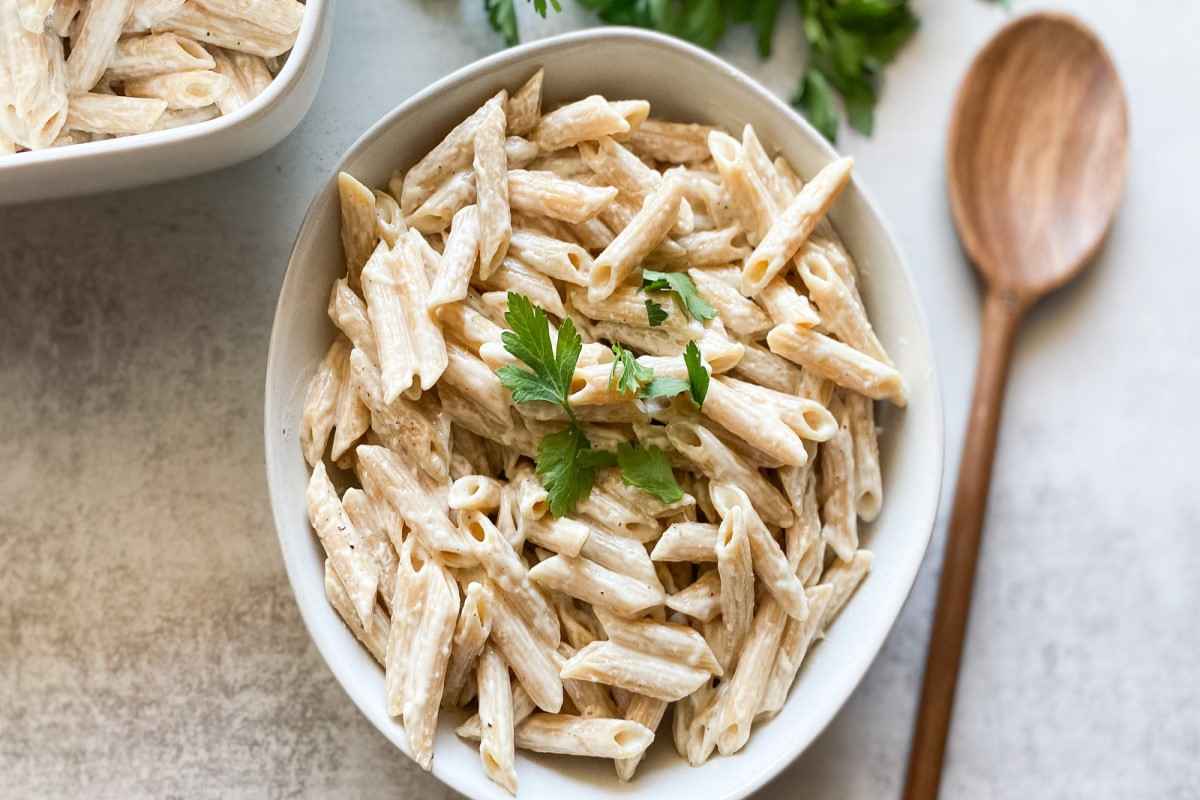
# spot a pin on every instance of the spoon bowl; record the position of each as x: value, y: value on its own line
x: 1037, y: 153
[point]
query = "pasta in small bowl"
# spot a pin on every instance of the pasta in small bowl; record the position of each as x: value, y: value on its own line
x: 107, y: 94
x: 583, y: 402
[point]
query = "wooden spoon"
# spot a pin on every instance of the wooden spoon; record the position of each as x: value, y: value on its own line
x: 1036, y: 160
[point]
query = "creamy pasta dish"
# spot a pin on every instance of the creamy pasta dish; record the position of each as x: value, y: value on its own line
x: 74, y: 71
x: 596, y: 432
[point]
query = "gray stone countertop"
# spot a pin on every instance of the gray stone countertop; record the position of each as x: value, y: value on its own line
x: 149, y: 643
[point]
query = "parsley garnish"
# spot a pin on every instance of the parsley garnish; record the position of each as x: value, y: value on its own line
x: 655, y: 313
x: 682, y: 286
x: 648, y: 469
x: 566, y: 462
x: 697, y: 374
x: 631, y: 375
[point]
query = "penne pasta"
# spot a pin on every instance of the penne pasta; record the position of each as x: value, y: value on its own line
x: 581, y: 121
x: 429, y: 656
x: 181, y: 90
x: 592, y: 583
x: 770, y: 563
x: 490, y: 165
x: 497, y: 742
x: 277, y: 16
x: 636, y: 240
x: 793, y: 646
x: 342, y: 545
x: 458, y: 260
x: 524, y: 107
x: 357, y: 208
x: 156, y: 54
x: 551, y: 257
x: 470, y: 636
x: 579, y: 736
x: 838, y: 362
x: 793, y: 225
x: 199, y: 23
x: 844, y: 577
x: 344, y: 606
x: 616, y: 665
x: 673, y: 142
x: 113, y: 114
x: 735, y: 565
x: 646, y: 711
x: 531, y: 659
x: 748, y: 686
x: 868, y: 480
x: 546, y: 194
x: 93, y: 46
x: 666, y: 640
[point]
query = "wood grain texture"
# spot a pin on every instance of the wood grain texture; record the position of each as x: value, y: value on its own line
x: 1036, y: 166
x: 1037, y: 152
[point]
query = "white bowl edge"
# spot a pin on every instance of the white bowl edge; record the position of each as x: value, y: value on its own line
x: 266, y: 120
x: 838, y: 664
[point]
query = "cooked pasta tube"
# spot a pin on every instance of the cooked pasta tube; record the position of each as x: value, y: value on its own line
x: 748, y: 685
x: 470, y: 635
x: 784, y: 304
x: 647, y: 229
x: 673, y: 142
x: 357, y: 204
x: 741, y: 316
x: 458, y: 260
x: 844, y: 577
x: 180, y: 90
x: 592, y: 583
x: 437, y: 212
x: 754, y: 207
x: 112, y: 114
x: 839, y: 363
x: 358, y: 573
x: 506, y: 569
x: 405, y: 426
x: 552, y: 257
x: 387, y: 475
x: 647, y: 711
x: 793, y: 225
x: 156, y: 54
x: 522, y: 708
x: 735, y: 565
x: 513, y: 275
x: 618, y: 553
x: 579, y: 736
x: 376, y: 544
x: 413, y: 571
x: 616, y: 665
x: 721, y: 464
x: 793, y: 646
x: 95, y: 42
x: 475, y: 493
x: 374, y: 640
x: 701, y: 600
x: 692, y: 542
x: 531, y: 659
x: 759, y: 365
x: 623, y: 170
x: 544, y: 193
x: 496, y: 724
x: 577, y: 122
x: 490, y: 164
x: 808, y: 418
x: 591, y: 700
x: 452, y: 155
x: 320, y: 401
x: 841, y: 311
x: 233, y: 33
x: 351, y: 417
x: 770, y: 563
x: 748, y: 421
x: 666, y: 640
x: 524, y: 107
x: 868, y: 481
x: 388, y: 307
x: 429, y: 656
x: 277, y: 16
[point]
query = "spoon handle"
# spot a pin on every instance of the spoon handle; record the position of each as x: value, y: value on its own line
x: 1001, y: 315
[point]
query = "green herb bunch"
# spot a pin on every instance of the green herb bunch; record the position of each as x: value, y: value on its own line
x: 849, y: 42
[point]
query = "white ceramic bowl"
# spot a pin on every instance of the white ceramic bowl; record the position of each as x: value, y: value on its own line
x: 682, y: 83
x: 127, y: 161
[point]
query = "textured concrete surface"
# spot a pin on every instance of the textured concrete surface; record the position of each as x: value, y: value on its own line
x: 149, y: 645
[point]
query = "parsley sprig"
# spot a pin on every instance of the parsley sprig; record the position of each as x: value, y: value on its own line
x: 630, y: 377
x: 849, y: 42
x: 682, y: 287
x: 566, y: 461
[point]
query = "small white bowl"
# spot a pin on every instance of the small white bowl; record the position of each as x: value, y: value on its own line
x: 126, y: 161
x: 682, y: 83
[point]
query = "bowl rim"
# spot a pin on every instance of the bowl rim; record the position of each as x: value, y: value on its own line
x: 284, y: 83
x: 923, y: 526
